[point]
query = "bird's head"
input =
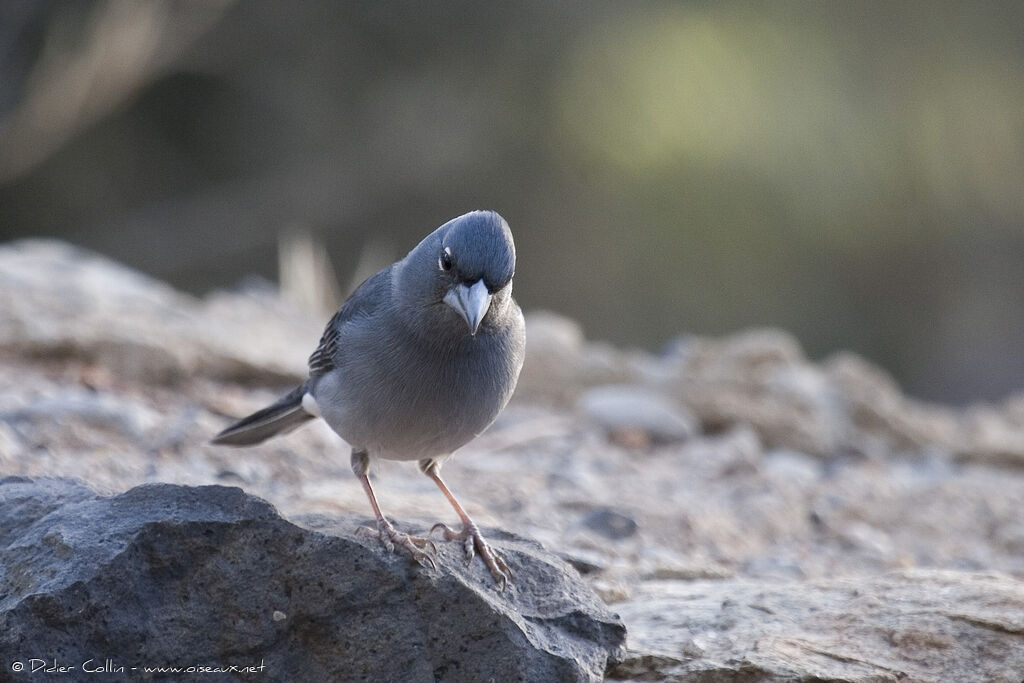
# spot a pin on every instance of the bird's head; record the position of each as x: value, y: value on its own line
x: 461, y: 274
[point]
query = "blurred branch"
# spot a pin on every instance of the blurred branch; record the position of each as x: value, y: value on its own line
x: 86, y: 72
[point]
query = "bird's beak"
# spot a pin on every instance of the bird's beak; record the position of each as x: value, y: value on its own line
x: 471, y: 302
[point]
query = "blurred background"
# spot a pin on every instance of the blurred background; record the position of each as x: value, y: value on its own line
x: 851, y: 172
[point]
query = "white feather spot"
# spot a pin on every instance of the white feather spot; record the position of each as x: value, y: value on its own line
x: 309, y: 404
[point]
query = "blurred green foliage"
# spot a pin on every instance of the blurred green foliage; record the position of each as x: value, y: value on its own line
x: 853, y: 172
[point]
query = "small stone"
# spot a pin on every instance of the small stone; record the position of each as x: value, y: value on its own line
x: 629, y: 408
x: 611, y: 590
x: 611, y: 524
x: 585, y: 561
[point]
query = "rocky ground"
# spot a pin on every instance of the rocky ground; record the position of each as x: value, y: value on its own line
x: 750, y: 514
x: 164, y: 578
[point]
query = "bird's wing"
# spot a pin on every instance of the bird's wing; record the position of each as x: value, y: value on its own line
x: 362, y: 302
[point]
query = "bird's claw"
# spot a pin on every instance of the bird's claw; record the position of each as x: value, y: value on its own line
x: 449, y: 533
x: 390, y: 537
x: 474, y: 543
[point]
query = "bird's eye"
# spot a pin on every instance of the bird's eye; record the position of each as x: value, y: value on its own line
x: 445, y: 260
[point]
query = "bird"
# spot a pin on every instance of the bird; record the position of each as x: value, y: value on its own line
x: 418, y: 361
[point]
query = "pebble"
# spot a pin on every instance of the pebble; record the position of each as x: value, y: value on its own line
x: 630, y: 408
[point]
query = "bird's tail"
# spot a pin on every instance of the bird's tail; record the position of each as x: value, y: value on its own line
x: 281, y: 417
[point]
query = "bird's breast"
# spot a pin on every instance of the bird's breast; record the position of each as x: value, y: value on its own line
x: 408, y: 401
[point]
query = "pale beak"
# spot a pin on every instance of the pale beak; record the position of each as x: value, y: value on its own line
x: 471, y: 302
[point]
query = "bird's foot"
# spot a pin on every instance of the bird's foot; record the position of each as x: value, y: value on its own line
x: 391, y: 537
x: 474, y: 543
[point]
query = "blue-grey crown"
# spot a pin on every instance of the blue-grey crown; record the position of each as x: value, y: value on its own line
x: 481, y: 247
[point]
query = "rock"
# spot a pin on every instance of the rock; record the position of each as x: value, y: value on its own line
x: 611, y: 524
x: 902, y: 626
x: 760, y: 378
x: 876, y: 409
x: 986, y: 435
x: 801, y: 472
x: 560, y: 363
x: 73, y: 303
x: 623, y: 409
x: 166, y: 575
x: 103, y: 413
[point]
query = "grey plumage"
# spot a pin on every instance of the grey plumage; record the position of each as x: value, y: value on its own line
x: 418, y: 361
x: 279, y: 418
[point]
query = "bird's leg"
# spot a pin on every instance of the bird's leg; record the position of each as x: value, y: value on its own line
x: 388, y: 535
x: 470, y: 535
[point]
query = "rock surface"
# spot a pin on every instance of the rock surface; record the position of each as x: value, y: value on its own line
x: 911, y: 625
x: 66, y: 302
x: 804, y: 482
x: 167, y: 575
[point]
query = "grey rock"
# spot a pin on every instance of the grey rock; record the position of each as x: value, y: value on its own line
x: 903, y: 626
x: 876, y: 409
x: 560, y: 363
x: 610, y: 523
x: 760, y: 378
x: 77, y: 304
x: 987, y: 435
x: 76, y: 405
x: 805, y: 471
x: 166, y: 575
x: 620, y: 408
